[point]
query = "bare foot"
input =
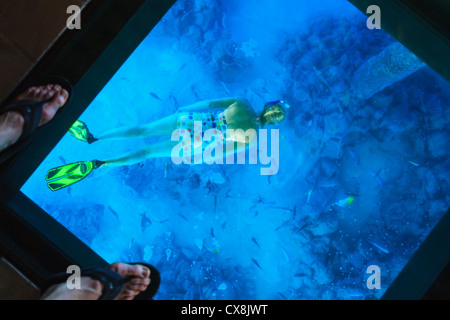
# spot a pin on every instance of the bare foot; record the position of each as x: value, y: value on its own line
x: 92, y: 289
x: 135, y: 285
x: 12, y: 122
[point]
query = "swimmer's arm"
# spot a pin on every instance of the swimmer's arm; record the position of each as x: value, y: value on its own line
x: 210, y: 104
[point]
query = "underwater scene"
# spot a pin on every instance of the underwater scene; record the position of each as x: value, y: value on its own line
x: 362, y: 169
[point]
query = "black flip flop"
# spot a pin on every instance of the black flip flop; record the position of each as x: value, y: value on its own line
x: 31, y: 112
x: 112, y: 282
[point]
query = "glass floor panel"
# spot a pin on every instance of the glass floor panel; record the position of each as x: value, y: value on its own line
x: 362, y: 167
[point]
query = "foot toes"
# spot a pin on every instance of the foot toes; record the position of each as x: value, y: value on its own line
x: 59, y: 98
x: 137, y: 284
x: 50, y: 109
x: 50, y: 93
x: 36, y: 91
x: 131, y: 270
x: 42, y: 93
x: 30, y: 90
x: 63, y: 94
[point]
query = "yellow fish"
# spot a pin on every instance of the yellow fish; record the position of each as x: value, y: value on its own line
x: 345, y: 202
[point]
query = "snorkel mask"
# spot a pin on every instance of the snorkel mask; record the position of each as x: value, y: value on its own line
x: 272, y: 110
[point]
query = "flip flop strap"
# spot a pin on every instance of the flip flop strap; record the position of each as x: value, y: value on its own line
x: 112, y: 281
x: 31, y: 111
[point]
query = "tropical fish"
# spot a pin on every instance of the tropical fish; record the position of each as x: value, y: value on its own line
x: 175, y: 101
x: 256, y: 242
x: 195, y: 92
x: 256, y: 263
x: 165, y: 169
x: 183, y: 217
x: 154, y: 95
x: 286, y: 254
x: 131, y: 243
x: 414, y: 163
x: 345, y: 202
x: 384, y: 250
x: 354, y: 155
x: 280, y: 208
x: 302, y: 227
x: 113, y: 212
x: 309, y: 195
x: 62, y: 159
x: 281, y: 226
x: 144, y: 221
x: 377, y: 177
x: 356, y: 295
x: 282, y: 295
x: 226, y: 88
x: 300, y: 274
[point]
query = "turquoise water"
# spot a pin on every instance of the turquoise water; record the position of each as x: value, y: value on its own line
x: 360, y: 182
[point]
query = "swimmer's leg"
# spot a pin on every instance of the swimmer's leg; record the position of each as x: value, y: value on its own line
x: 162, y: 127
x: 157, y: 150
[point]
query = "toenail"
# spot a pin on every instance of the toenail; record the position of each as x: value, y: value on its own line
x: 145, y: 272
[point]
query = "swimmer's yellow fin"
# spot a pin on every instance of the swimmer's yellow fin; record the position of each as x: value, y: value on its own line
x: 80, y: 131
x: 69, y: 174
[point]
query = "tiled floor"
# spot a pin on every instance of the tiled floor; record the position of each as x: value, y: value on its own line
x: 27, y: 29
x: 14, y: 286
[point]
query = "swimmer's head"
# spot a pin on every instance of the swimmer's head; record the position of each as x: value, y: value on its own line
x: 273, y: 113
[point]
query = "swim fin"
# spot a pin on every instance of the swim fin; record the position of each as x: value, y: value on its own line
x: 69, y: 174
x: 80, y: 131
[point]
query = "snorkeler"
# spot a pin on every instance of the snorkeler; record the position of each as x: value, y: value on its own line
x: 218, y: 115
